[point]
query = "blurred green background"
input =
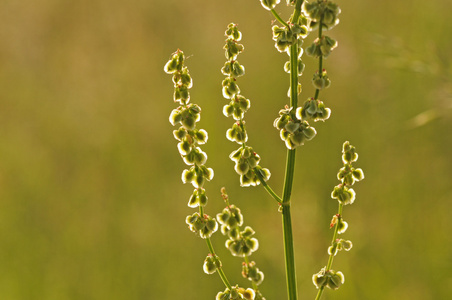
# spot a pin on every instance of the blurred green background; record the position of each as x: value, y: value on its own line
x: 91, y: 202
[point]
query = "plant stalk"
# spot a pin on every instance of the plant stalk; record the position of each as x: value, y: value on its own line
x: 289, y: 255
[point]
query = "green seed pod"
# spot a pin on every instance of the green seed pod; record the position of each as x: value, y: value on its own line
x: 292, y: 126
x: 247, y: 232
x: 202, y: 199
x: 237, y: 69
x: 336, y: 279
x: 200, y: 157
x: 319, y: 279
x: 358, y: 174
x: 184, y: 147
x: 189, y: 122
x: 247, y: 152
x: 193, y: 201
x: 228, y: 110
x: 227, y: 68
x: 342, y: 226
x: 252, y: 244
x: 243, y: 103
x: 175, y: 116
x: 180, y: 133
x: 223, y: 216
x: 209, y: 265
x: 242, y: 168
x: 297, y: 138
x: 332, y: 250
x: 346, y: 245
x: 234, y: 233
x: 199, y: 181
x: 212, y: 224
x: 188, y: 175
x: 236, y: 155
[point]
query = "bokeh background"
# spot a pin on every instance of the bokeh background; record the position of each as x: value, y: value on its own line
x: 91, y: 202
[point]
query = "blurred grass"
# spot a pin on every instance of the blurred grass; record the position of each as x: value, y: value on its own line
x: 91, y: 203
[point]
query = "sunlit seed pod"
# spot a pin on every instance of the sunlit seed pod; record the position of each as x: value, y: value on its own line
x: 358, y: 174
x: 190, y: 219
x: 252, y: 244
x: 184, y: 147
x: 175, y: 116
x: 292, y: 126
x: 232, y: 222
x: 319, y: 280
x: 171, y: 66
x: 224, y: 229
x: 259, y: 278
x: 227, y: 68
x: 297, y: 138
x: 301, y: 67
x: 332, y: 250
x: 290, y: 145
x: 231, y: 134
x: 245, y: 181
x: 200, y: 157
x: 223, y: 216
x: 187, y: 176
x: 180, y: 133
x: 241, y: 168
x: 209, y: 266
x: 247, y: 232
x: 348, y: 179
x: 265, y: 173
x: 248, y: 294
x: 237, y: 69
x: 189, y: 122
x: 202, y: 199
x: 228, y: 110
x: 237, y: 114
x: 199, y: 181
x: 222, y: 296
x: 335, y: 280
x: 342, y: 226
x: 193, y: 201
x: 198, y: 224
x: 236, y: 155
x: 236, y: 248
x: 212, y: 224
x: 347, y: 245
x: 234, y: 233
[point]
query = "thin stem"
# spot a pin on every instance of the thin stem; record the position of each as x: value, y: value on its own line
x: 331, y: 257
x: 267, y: 187
x: 245, y: 258
x: 275, y: 14
x: 219, y: 270
x: 289, y: 255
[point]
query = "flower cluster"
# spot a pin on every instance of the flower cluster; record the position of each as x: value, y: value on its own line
x: 328, y: 278
x: 348, y: 175
x: 294, y: 131
x: 240, y: 242
x: 189, y: 137
x: 250, y: 271
x: 246, y: 160
x: 322, y: 11
x: 211, y: 264
x: 204, y: 225
x: 236, y: 293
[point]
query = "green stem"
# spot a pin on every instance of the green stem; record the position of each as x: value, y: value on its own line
x: 219, y: 270
x: 267, y: 187
x: 275, y: 14
x: 289, y: 255
x: 331, y: 257
x: 317, y: 91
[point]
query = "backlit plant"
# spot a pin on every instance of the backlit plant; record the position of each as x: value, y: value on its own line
x: 294, y: 124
